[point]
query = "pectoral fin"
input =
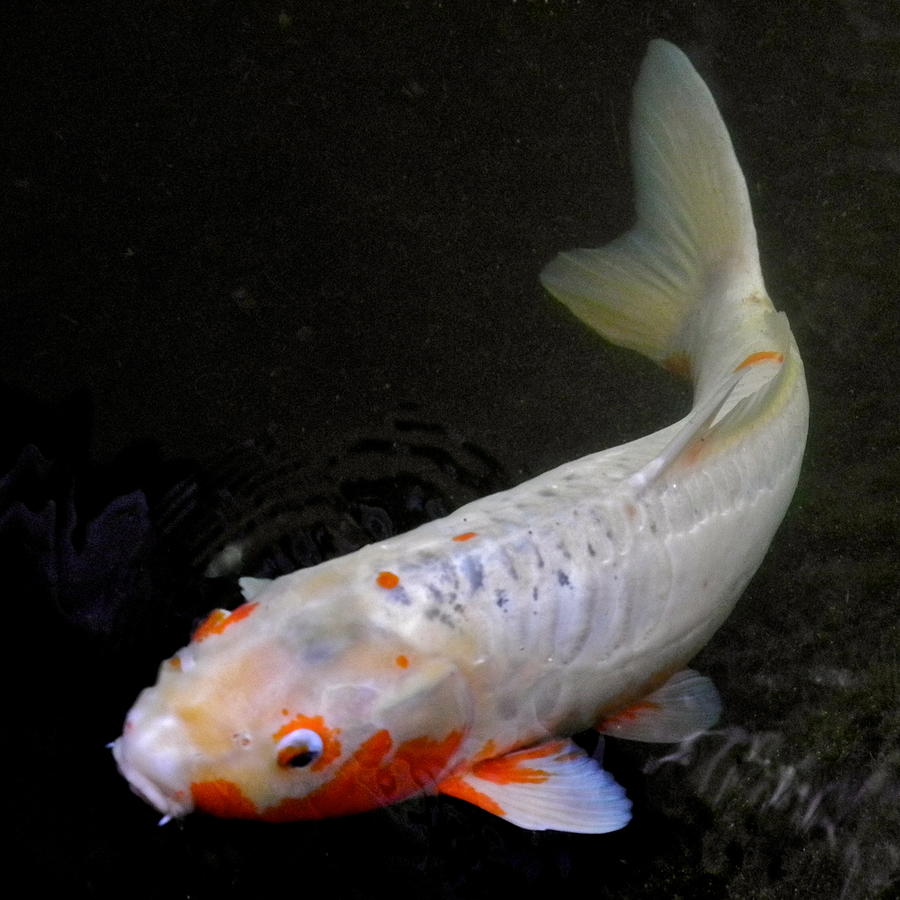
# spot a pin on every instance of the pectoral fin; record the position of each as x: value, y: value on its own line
x: 685, y: 705
x: 554, y: 785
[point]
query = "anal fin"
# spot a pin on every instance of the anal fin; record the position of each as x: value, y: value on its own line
x: 685, y: 705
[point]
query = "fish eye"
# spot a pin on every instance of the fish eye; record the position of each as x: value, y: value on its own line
x: 299, y: 748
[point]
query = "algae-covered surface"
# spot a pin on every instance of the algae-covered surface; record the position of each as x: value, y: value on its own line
x: 270, y: 269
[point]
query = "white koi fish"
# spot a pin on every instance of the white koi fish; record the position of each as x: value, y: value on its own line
x: 460, y: 657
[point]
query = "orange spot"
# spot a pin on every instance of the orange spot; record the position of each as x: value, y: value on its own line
x: 174, y: 663
x: 456, y: 787
x: 466, y: 537
x: 402, y: 661
x: 762, y: 356
x: 209, y: 625
x: 693, y: 453
x: 387, y: 580
x: 678, y: 364
x: 368, y: 780
x: 331, y: 746
x: 222, y: 798
x: 220, y: 619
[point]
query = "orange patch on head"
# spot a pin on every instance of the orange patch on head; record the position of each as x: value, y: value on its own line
x: 466, y: 537
x: 387, y: 580
x: 762, y: 356
x: 331, y: 746
x: 220, y: 619
x: 369, y: 780
x: 223, y: 798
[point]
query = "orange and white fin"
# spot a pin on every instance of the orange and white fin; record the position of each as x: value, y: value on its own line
x: 687, y: 704
x: 554, y: 785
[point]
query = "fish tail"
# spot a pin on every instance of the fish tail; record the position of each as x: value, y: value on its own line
x: 669, y: 287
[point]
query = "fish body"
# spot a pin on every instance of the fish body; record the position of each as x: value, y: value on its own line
x: 459, y: 657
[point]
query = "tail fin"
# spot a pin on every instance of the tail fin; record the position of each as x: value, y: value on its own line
x: 694, y: 239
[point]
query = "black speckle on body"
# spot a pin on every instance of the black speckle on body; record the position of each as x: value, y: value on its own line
x: 398, y: 595
x: 474, y: 572
x: 442, y: 617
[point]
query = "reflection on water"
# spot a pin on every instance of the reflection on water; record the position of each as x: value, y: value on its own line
x: 257, y: 510
x: 827, y: 822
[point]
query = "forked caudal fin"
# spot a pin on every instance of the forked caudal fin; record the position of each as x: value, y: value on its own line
x: 688, y: 272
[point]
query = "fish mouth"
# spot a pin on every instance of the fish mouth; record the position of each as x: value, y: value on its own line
x: 150, y: 783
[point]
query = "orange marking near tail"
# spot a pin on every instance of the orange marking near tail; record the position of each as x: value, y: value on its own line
x: 387, y: 580
x: 466, y: 537
x: 762, y: 356
x: 220, y: 619
x: 678, y: 364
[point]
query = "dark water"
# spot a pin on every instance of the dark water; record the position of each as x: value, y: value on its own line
x: 275, y: 260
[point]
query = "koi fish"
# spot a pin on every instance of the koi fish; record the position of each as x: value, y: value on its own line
x: 459, y: 658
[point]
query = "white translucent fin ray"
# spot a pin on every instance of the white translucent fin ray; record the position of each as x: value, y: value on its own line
x: 687, y: 704
x: 554, y: 786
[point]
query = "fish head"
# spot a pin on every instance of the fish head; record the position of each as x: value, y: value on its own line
x: 308, y: 715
